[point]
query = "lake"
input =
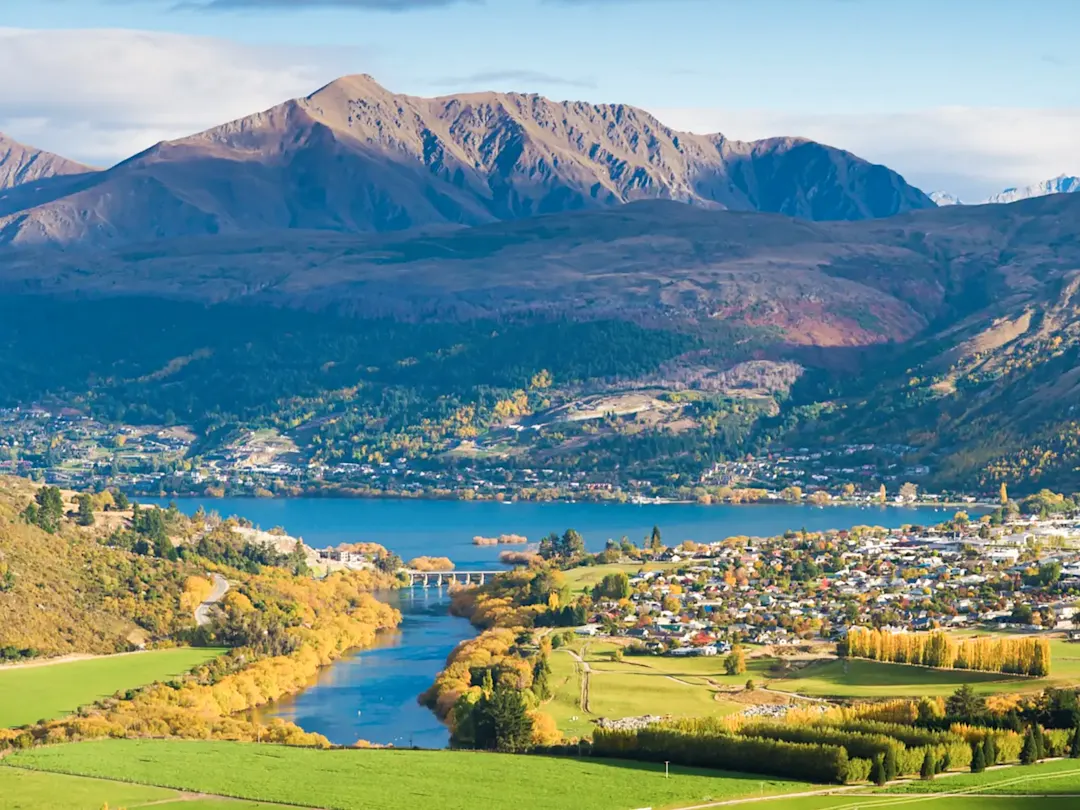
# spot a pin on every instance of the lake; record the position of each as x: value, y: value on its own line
x: 413, y: 528
x: 372, y: 694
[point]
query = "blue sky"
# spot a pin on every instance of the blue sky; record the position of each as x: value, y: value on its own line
x: 886, y: 79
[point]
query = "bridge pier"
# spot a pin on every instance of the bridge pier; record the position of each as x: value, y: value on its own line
x: 426, y: 579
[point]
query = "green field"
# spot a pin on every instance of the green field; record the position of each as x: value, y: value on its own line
x: 841, y: 801
x: 588, y: 575
x: 694, y: 686
x: 1060, y: 777
x: 635, y: 686
x: 390, y: 780
x: 32, y: 693
x: 874, y: 679
x: 859, y: 678
x: 34, y: 790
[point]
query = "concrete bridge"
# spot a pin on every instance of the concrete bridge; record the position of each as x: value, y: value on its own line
x: 426, y: 579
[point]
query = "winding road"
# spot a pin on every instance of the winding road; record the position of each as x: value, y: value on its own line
x: 202, y: 612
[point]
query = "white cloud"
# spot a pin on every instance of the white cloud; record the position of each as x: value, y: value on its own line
x: 102, y: 95
x: 971, y: 152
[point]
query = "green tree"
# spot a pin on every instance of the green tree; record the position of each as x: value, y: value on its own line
x: 571, y: 544
x: 1074, y: 746
x: 85, y: 516
x: 735, y: 662
x: 877, y: 770
x: 656, y: 543
x: 613, y: 586
x: 989, y: 750
x: 927, y: 771
x: 892, y: 768
x: 120, y: 500
x: 928, y: 710
x: 964, y: 702
x: 1030, y: 751
x: 464, y: 715
x: 541, y: 685
x: 978, y: 759
x: 502, y: 721
x: 47, y: 510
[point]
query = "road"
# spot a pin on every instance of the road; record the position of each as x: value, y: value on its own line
x: 586, y: 671
x: 202, y: 612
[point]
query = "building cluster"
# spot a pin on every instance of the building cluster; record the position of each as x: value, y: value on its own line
x: 790, y: 590
x: 864, y: 465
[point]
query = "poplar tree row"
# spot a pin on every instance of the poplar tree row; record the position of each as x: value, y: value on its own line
x: 1018, y: 656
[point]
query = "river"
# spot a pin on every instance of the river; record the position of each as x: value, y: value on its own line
x: 371, y: 694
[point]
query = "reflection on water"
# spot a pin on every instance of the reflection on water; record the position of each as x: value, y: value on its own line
x: 371, y: 694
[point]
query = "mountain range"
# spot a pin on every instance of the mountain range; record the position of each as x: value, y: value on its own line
x: 354, y: 157
x: 1062, y: 184
x: 354, y: 238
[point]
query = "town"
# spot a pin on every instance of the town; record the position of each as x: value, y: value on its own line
x: 65, y: 447
x: 1021, y: 572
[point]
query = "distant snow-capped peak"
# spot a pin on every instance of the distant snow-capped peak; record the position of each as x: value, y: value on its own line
x: 942, y: 198
x: 1062, y: 184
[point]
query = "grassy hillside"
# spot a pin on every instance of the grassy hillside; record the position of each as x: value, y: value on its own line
x: 32, y: 692
x: 67, y: 593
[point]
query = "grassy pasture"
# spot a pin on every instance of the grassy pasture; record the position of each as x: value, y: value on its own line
x: 34, y: 790
x: 48, y: 691
x: 392, y: 780
x: 1060, y: 777
x: 589, y: 575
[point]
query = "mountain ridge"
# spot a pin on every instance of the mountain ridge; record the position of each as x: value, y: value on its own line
x: 355, y: 157
x: 21, y: 164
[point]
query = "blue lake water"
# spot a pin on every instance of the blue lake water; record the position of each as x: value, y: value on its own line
x: 413, y: 528
x: 372, y: 694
